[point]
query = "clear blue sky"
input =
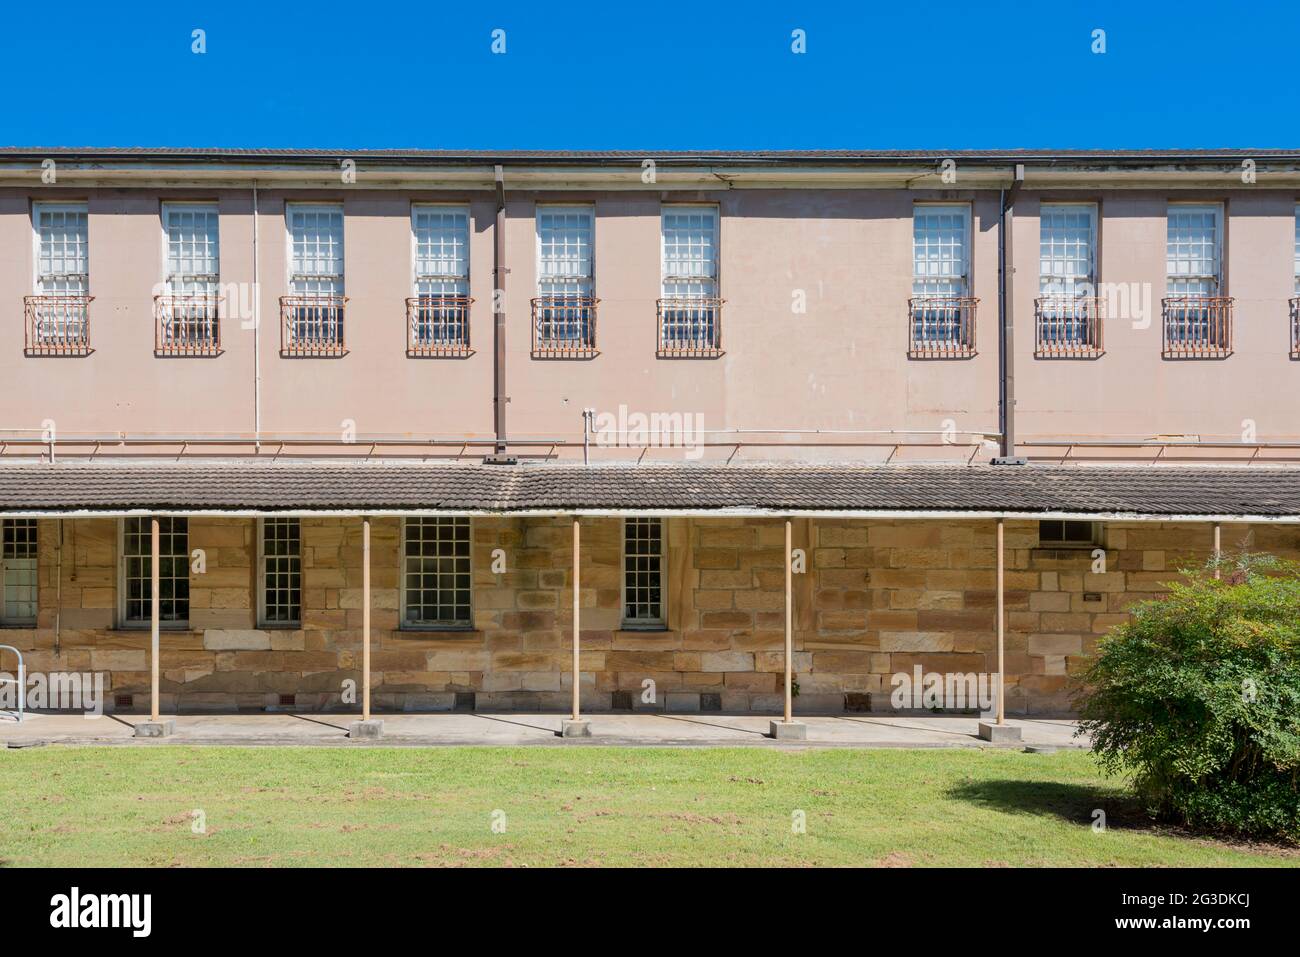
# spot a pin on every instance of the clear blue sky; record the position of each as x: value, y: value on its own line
x: 631, y: 74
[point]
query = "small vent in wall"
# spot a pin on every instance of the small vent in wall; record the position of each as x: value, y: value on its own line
x: 123, y: 700
x: 464, y: 701
x: 620, y: 700
x: 288, y: 700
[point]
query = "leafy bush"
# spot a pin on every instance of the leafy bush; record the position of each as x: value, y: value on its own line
x: 1198, y: 695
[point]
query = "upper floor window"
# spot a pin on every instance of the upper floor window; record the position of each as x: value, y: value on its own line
x: 173, y: 571
x: 436, y: 572
x: 280, y: 564
x: 690, y: 311
x: 18, y: 571
x: 312, y: 313
x: 1197, y: 316
x: 643, y: 570
x: 57, y: 318
x: 186, y: 313
x: 1295, y: 303
x: 438, y: 315
x: 564, y: 312
x: 1068, y: 311
x: 942, y: 312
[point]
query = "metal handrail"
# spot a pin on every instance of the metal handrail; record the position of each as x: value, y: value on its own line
x: 21, y: 682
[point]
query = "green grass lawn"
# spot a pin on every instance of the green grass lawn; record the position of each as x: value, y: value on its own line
x: 75, y: 806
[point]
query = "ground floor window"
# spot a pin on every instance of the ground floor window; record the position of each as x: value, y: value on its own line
x: 173, y: 570
x: 643, y: 566
x: 436, y: 572
x: 18, y: 571
x: 280, y: 563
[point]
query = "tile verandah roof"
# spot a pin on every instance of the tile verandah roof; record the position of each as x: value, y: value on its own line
x: 1271, y: 491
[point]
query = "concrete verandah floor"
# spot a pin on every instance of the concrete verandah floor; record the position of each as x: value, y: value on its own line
x: 515, y: 728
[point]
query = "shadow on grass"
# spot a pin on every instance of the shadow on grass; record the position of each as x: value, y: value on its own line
x: 1074, y: 803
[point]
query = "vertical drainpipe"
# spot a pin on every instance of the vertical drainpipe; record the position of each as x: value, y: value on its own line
x: 499, y: 316
x: 257, y: 337
x: 1006, y: 322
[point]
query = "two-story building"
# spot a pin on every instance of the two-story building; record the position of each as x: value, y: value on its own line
x: 432, y: 430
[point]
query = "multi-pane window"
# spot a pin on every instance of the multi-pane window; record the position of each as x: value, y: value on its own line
x: 689, y: 309
x: 942, y: 317
x: 1297, y: 251
x: 1068, y: 316
x: 314, y: 317
x: 1068, y: 534
x: 564, y: 314
x: 57, y: 317
x: 187, y: 313
x: 173, y: 570
x: 643, y: 569
x: 1193, y: 251
x: 281, y: 571
x: 1295, y: 303
x: 439, y: 314
x: 436, y: 572
x: 18, y: 571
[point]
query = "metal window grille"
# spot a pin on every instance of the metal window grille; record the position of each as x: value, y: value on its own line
x: 312, y: 315
x: 564, y: 312
x: 173, y: 570
x: 437, y: 318
x: 941, y: 314
x: 281, y: 571
x: 690, y: 312
x: 1068, y: 312
x: 186, y: 316
x: 1295, y: 303
x: 18, y: 571
x: 1197, y: 317
x: 57, y: 319
x: 643, y: 551
x: 437, y: 571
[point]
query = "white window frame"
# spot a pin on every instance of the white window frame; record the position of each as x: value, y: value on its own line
x: 589, y: 211
x: 1297, y: 250
x: 665, y: 278
x: 23, y: 621
x: 123, y: 621
x: 964, y: 210
x: 339, y: 279
x: 644, y: 624
x: 1078, y: 285
x: 416, y: 278
x: 37, y: 209
x: 459, y: 625
x: 1218, y: 277
x: 212, y: 280
x: 262, y: 621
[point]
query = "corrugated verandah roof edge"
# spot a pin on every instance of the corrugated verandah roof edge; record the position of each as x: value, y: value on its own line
x: 1265, y: 491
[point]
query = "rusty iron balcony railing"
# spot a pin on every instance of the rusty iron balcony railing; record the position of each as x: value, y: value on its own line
x: 1197, y: 327
x: 57, y: 325
x: 941, y: 327
x: 438, y: 326
x: 1295, y: 328
x: 564, y: 327
x: 187, y: 325
x: 312, y: 326
x: 1068, y: 327
x: 690, y: 327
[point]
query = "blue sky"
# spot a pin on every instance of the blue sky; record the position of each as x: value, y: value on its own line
x: 627, y: 74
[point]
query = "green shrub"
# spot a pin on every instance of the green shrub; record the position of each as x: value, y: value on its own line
x: 1198, y: 696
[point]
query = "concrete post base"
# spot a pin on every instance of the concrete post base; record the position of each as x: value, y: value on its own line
x: 998, y: 733
x: 788, y: 731
x: 374, y: 728
x: 156, y: 729
x: 575, y: 729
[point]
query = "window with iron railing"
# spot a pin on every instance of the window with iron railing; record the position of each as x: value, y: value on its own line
x: 941, y: 312
x: 1197, y: 317
x: 1067, y: 313
x: 56, y: 317
x: 689, y: 312
x: 186, y: 313
x: 312, y: 314
x: 564, y: 312
x: 437, y: 316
